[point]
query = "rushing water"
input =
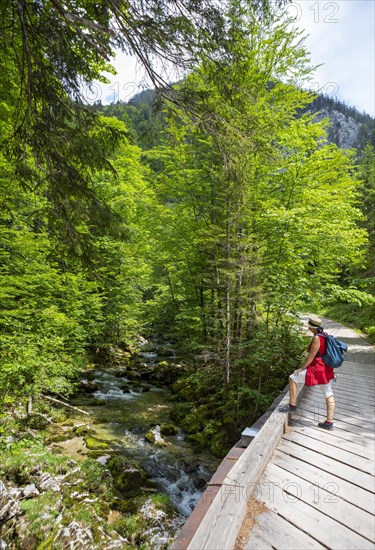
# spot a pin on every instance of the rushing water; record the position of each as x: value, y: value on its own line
x: 123, y: 417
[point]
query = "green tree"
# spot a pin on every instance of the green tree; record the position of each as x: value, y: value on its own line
x: 367, y: 188
x: 250, y: 192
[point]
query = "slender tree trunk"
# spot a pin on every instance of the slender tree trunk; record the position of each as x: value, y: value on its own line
x: 227, y: 299
x: 29, y: 407
x: 202, y: 305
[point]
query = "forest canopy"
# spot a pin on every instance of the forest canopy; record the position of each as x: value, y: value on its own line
x: 217, y: 226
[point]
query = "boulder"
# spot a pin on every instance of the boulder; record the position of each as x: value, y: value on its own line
x: 30, y: 491
x: 9, y: 507
x: 153, y: 436
x: 168, y: 429
x: 160, y: 523
x: 128, y: 476
x: 83, y: 430
x: 95, y: 444
x: 59, y: 436
x: 88, y: 386
x: 45, y: 482
x: 75, y: 536
x: 165, y: 352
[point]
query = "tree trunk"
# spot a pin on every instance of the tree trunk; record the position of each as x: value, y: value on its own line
x: 29, y: 408
x: 227, y: 300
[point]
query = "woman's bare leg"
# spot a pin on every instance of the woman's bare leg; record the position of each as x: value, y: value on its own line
x: 330, y: 403
x: 293, y: 386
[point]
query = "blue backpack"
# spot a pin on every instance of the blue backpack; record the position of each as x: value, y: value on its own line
x: 334, y: 355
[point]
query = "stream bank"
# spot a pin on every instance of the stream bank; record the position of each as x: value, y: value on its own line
x: 123, y: 476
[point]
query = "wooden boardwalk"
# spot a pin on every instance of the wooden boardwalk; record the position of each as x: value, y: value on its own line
x: 317, y: 491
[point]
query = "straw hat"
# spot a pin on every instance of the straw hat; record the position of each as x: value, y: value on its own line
x: 314, y: 322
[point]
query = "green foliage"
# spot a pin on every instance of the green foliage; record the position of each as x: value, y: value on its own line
x: 214, y: 416
x: 19, y: 459
x: 41, y: 512
x: 355, y: 314
x: 95, y: 479
x: 236, y: 215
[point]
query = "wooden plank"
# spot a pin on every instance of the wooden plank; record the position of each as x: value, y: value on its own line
x: 329, y: 504
x: 361, y: 441
x: 278, y: 533
x: 358, y: 396
x: 357, y: 380
x: 358, y: 372
x: 338, y: 424
x: 344, y: 471
x: 317, y: 412
x: 340, y: 455
x: 332, y: 439
x: 315, y: 399
x: 223, y: 520
x: 341, y: 407
x: 320, y: 526
x: 256, y: 541
x: 349, y: 365
x: 341, y: 402
x: 319, y: 478
x: 320, y: 408
x: 367, y: 369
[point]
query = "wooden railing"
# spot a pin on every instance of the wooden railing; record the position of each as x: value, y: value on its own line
x: 216, y: 520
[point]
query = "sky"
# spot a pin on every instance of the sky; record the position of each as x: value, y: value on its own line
x: 340, y: 36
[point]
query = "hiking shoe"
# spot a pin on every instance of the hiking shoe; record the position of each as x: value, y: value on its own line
x: 287, y: 408
x: 326, y: 425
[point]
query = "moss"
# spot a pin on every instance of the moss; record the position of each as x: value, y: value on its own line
x: 67, y: 422
x: 84, y: 430
x: 41, y: 513
x: 48, y: 544
x: 128, y: 476
x: 98, y: 402
x: 150, y: 436
x: 62, y: 436
x: 168, y: 429
x: 97, y: 479
x: 19, y: 461
x: 95, y: 444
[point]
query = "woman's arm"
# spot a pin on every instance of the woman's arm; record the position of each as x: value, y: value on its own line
x: 315, y: 346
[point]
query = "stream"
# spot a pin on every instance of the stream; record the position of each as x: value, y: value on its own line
x: 122, y: 414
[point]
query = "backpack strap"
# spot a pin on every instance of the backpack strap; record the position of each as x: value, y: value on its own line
x: 323, y: 335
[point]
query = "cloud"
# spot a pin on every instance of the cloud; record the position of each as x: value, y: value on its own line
x: 340, y: 36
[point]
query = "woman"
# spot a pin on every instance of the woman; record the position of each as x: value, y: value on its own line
x: 314, y: 372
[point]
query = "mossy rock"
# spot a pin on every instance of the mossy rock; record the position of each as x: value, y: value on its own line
x: 58, y: 437
x: 168, y: 429
x: 95, y: 444
x: 84, y: 430
x: 36, y: 422
x: 128, y: 476
x: 193, y: 423
x: 150, y: 436
x: 98, y: 402
x: 68, y: 422
x: 155, y: 438
x: 120, y: 373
